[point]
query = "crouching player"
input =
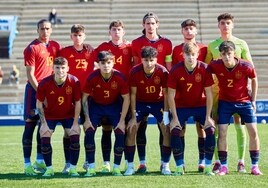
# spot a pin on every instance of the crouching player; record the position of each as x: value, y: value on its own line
x: 191, y: 83
x: 109, y: 98
x: 233, y: 75
x: 148, y: 96
x: 59, y: 101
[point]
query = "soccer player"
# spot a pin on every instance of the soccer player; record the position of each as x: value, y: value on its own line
x: 59, y: 101
x: 81, y: 64
x: 191, y: 82
x: 152, y: 38
x: 148, y: 96
x: 189, y: 32
x: 234, y: 97
x: 226, y: 25
x: 38, y: 59
x: 121, y: 49
x: 109, y: 97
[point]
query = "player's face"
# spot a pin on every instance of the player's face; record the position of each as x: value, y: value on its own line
x: 150, y: 26
x: 60, y: 72
x: 228, y: 57
x: 106, y: 66
x: 190, y: 59
x: 149, y: 64
x: 78, y: 38
x: 117, y: 33
x: 226, y: 26
x: 189, y: 32
x: 44, y: 30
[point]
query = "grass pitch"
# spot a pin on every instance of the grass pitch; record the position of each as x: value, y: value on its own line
x: 11, y: 164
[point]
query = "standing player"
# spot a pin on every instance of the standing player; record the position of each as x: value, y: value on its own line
x: 123, y: 61
x: 59, y: 101
x: 81, y: 64
x: 152, y: 38
x: 109, y: 98
x: 234, y: 97
x: 148, y: 96
x: 38, y: 59
x: 226, y: 25
x: 189, y: 32
x: 191, y: 82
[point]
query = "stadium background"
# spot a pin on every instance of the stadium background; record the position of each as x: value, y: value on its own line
x: 251, y: 24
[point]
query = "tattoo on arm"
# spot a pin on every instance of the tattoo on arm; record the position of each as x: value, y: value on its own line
x: 41, y: 115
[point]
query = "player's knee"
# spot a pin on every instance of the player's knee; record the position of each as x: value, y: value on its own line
x: 210, y: 131
x: 118, y: 132
x: 175, y: 132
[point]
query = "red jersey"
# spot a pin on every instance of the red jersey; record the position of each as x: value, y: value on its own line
x: 106, y: 91
x: 41, y: 56
x: 190, y: 86
x: 233, y: 82
x: 177, y: 54
x: 163, y: 46
x: 149, y: 89
x: 59, y: 101
x: 122, y: 53
x: 80, y: 63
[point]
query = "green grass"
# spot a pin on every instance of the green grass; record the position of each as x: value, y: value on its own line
x: 11, y: 164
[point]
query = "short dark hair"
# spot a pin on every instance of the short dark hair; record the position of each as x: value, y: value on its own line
x: 117, y: 23
x: 227, y: 46
x: 149, y: 15
x: 104, y: 56
x: 225, y: 16
x: 77, y: 28
x: 60, y: 61
x: 148, y: 52
x: 188, y: 22
x: 41, y: 22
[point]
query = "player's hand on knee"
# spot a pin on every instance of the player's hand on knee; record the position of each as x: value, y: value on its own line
x: 88, y: 124
x: 45, y: 131
x: 175, y: 124
x: 121, y: 126
x: 209, y: 123
x: 75, y: 130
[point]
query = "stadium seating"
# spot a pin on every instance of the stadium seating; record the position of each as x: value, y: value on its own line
x: 251, y: 23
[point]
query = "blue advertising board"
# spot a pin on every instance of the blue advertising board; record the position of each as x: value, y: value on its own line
x: 12, y: 113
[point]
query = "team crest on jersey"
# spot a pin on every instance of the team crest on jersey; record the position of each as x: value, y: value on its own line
x: 160, y: 48
x: 156, y: 80
x: 69, y: 90
x: 125, y: 51
x: 114, y: 85
x: 87, y: 55
x: 198, y: 77
x: 238, y: 75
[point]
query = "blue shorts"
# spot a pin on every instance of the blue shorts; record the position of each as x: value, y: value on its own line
x: 66, y: 123
x: 30, y: 111
x: 143, y: 109
x: 227, y: 109
x: 110, y: 112
x: 198, y: 113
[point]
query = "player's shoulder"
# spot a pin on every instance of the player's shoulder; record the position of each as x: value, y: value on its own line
x: 246, y: 63
x: 136, y: 68
x: 177, y: 66
x: 72, y: 78
x: 202, y: 64
x: 118, y: 74
x: 161, y: 68
x: 46, y: 81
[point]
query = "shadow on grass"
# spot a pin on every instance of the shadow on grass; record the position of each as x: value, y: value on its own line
x: 58, y: 175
